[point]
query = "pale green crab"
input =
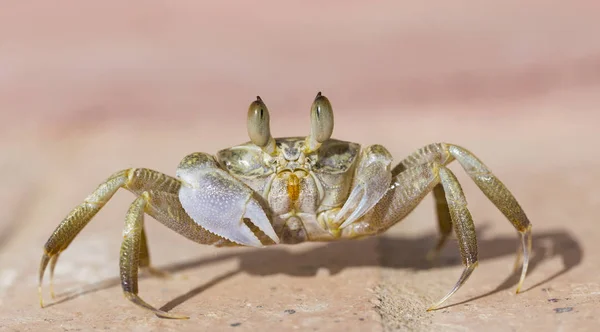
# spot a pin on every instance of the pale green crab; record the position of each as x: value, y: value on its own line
x: 291, y: 190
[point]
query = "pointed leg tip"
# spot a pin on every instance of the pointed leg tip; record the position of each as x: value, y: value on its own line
x: 163, y: 314
x: 518, y: 290
x: 524, y: 257
x: 142, y: 304
x: 41, y: 297
x: 437, y: 305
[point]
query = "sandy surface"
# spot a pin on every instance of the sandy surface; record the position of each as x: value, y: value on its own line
x: 86, y: 90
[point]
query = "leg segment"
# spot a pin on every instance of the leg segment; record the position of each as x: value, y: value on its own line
x: 75, y: 221
x: 145, y: 257
x: 130, y: 255
x: 444, y: 220
x: 463, y: 228
x: 441, y: 205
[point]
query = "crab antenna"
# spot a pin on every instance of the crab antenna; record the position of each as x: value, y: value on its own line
x: 259, y: 129
x: 321, y: 122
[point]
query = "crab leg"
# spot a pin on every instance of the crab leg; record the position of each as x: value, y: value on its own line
x: 164, y: 206
x: 130, y: 255
x: 489, y: 184
x: 145, y: 257
x: 444, y: 220
x: 406, y: 191
x: 463, y: 227
x: 415, y: 179
x: 75, y: 221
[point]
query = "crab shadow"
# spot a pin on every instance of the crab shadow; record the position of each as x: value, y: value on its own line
x: 397, y: 252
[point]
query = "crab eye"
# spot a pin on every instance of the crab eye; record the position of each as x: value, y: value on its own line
x: 321, y: 119
x: 258, y: 123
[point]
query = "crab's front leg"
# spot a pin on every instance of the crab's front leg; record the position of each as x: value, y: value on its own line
x: 371, y: 181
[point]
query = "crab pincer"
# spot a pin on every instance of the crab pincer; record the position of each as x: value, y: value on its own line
x: 371, y: 182
x: 220, y: 203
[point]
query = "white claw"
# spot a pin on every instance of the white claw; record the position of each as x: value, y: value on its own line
x: 356, y: 196
x: 257, y: 216
x: 219, y: 203
x: 373, y: 178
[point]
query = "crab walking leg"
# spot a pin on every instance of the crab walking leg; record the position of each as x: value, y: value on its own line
x: 130, y: 255
x: 144, y: 263
x: 444, y: 220
x: 441, y: 205
x: 463, y: 227
x: 489, y: 184
x: 74, y: 222
x: 495, y: 190
x: 164, y: 207
x: 145, y: 257
x: 406, y: 191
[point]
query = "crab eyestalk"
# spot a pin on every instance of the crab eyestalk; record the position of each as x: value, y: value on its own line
x: 321, y: 123
x: 258, y: 126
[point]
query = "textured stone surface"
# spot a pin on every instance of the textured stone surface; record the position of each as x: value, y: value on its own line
x: 88, y: 89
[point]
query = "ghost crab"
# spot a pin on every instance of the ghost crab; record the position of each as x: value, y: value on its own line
x: 291, y: 190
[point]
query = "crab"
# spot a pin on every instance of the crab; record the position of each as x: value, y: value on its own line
x: 291, y: 190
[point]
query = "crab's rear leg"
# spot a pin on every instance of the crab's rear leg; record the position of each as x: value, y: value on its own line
x: 145, y: 258
x: 409, y: 188
x: 413, y: 183
x: 489, y: 184
x: 444, y: 220
x: 406, y: 191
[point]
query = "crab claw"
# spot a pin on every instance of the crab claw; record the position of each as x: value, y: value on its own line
x: 371, y: 182
x: 220, y: 203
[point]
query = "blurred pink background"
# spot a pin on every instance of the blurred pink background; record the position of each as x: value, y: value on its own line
x: 74, y: 64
